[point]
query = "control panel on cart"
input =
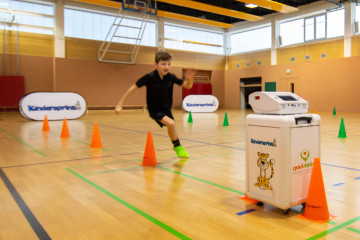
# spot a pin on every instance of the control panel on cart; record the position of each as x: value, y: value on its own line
x: 281, y: 103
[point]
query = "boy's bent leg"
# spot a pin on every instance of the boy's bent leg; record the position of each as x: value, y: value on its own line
x: 171, y: 127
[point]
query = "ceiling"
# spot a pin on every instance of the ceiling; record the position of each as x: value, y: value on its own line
x: 227, y: 12
x: 227, y: 4
x: 219, y: 13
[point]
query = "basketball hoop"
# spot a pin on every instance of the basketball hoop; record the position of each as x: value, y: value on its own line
x: 141, y: 9
x: 140, y: 6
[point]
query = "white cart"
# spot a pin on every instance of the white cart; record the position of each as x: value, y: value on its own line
x: 280, y: 150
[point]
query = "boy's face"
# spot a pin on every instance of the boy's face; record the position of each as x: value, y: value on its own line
x: 163, y: 67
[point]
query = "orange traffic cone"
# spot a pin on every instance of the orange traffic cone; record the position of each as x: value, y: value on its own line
x: 96, y: 140
x: 315, y: 112
x: 149, y: 158
x: 65, y: 130
x: 247, y: 199
x: 316, y: 203
x: 46, y: 124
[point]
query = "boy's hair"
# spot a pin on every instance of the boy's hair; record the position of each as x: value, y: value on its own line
x: 162, y: 56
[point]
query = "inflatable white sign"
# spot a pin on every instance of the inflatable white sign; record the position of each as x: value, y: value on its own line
x: 200, y: 103
x: 55, y: 105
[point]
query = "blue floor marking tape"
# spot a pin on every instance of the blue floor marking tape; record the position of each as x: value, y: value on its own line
x: 340, y: 166
x: 245, y: 212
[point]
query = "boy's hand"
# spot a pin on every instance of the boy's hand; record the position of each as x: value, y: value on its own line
x: 190, y: 72
x: 118, y: 109
x: 189, y: 78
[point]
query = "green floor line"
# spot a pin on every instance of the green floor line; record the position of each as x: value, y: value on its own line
x: 106, y: 163
x: 114, y: 170
x: 353, y: 229
x: 214, y: 155
x: 202, y: 180
x: 212, y: 150
x: 79, y: 141
x: 165, y: 156
x: 131, y: 207
x: 121, y: 169
x: 331, y: 222
x: 195, y: 178
x: 331, y: 230
x: 87, y: 144
x: 19, y: 140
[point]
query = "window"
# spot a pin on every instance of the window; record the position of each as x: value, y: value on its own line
x: 335, y: 23
x: 315, y: 28
x: 95, y: 26
x: 292, y: 32
x: 30, y: 17
x: 357, y: 19
x: 329, y: 25
x: 251, y: 40
x: 309, y: 29
x: 320, y: 27
x: 193, y: 40
x: 357, y: 14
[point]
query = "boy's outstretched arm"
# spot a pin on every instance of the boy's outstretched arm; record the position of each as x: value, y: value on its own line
x: 189, y: 78
x: 118, y: 107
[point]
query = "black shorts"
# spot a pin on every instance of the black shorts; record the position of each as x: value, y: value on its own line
x: 157, y: 116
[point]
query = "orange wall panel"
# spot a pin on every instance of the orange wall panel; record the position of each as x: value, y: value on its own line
x: 88, y: 49
x: 99, y: 83
x: 29, y: 44
x: 206, y: 61
x: 333, y: 49
x: 104, y: 83
x: 355, y: 46
x: 37, y: 71
x: 325, y: 84
x: 253, y: 58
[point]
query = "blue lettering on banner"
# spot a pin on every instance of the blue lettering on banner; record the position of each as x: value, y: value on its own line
x: 200, y: 104
x: 265, y: 143
x: 55, y: 108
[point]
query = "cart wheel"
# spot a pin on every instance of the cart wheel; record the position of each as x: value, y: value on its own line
x: 285, y: 211
x: 304, y: 204
x: 259, y: 204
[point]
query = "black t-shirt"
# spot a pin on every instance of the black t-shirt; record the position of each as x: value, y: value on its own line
x: 159, y: 92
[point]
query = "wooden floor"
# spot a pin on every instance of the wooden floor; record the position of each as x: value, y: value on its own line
x: 60, y: 188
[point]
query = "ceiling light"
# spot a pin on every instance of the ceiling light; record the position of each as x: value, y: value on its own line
x: 250, y: 5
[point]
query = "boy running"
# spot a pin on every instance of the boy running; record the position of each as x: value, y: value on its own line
x: 159, y: 96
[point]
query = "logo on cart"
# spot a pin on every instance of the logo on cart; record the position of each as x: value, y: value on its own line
x: 304, y: 155
x: 262, y: 181
x: 264, y: 143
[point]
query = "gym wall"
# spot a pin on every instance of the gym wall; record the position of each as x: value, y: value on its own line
x: 325, y: 82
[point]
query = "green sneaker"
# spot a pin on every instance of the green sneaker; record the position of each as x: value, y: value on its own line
x: 180, y: 152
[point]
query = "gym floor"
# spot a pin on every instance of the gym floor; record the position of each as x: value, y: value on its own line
x: 61, y: 188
